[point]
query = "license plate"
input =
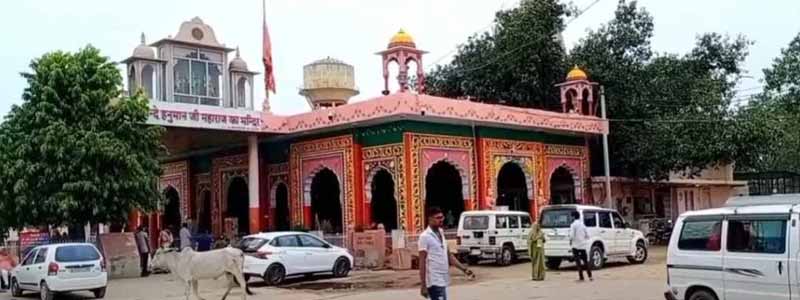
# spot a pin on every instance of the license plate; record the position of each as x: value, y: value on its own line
x: 80, y: 270
x: 475, y: 252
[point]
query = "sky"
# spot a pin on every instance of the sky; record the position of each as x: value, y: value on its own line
x: 351, y: 30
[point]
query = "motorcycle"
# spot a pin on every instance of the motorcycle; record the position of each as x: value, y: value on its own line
x: 660, y: 231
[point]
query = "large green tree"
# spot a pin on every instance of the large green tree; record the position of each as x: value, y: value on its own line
x: 669, y: 112
x: 76, y: 150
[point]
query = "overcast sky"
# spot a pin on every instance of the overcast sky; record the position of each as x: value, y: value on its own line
x: 350, y: 30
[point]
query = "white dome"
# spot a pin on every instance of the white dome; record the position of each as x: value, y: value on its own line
x: 238, y: 64
x: 144, y: 51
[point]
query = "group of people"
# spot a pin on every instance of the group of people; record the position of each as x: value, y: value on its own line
x: 186, y: 237
x: 435, y: 259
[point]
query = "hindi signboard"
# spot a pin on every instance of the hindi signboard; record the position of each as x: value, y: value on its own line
x: 201, y: 116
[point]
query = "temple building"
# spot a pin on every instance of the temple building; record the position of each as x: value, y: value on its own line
x: 342, y: 166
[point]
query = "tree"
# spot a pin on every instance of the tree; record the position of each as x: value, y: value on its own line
x: 775, y: 114
x: 669, y: 112
x: 518, y: 62
x: 76, y: 150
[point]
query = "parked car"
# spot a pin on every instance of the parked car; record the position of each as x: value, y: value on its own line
x: 609, y: 236
x: 274, y: 256
x: 746, y: 250
x: 498, y: 235
x: 60, y: 268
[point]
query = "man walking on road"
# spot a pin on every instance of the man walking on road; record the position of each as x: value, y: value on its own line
x: 435, y: 259
x: 143, y: 243
x: 578, y: 235
x: 186, y: 237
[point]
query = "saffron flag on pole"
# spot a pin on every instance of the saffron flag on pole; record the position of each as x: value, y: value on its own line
x: 269, y: 76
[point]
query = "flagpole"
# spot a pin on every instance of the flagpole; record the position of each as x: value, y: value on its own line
x: 265, y: 106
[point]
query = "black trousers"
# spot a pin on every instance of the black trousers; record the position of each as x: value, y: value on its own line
x: 582, y: 262
x: 143, y: 257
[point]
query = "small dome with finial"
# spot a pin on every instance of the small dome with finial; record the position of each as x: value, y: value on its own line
x: 401, y: 38
x: 576, y: 74
x: 144, y: 51
x: 238, y: 64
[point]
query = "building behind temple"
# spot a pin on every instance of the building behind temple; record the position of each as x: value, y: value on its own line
x: 342, y: 166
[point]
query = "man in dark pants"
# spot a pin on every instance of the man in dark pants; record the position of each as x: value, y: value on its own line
x: 435, y: 259
x: 578, y: 237
x: 143, y: 243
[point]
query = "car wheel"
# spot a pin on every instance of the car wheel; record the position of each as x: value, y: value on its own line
x: 640, y: 256
x: 702, y: 295
x: 44, y: 292
x: 341, y: 268
x: 275, y: 274
x: 99, y: 293
x: 553, y: 263
x: 15, y: 290
x: 506, y: 256
x: 596, y: 257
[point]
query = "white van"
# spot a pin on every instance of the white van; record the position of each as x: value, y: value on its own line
x: 748, y: 249
x: 609, y: 236
x: 498, y: 235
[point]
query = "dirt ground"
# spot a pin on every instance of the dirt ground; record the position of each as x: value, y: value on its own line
x: 619, y: 280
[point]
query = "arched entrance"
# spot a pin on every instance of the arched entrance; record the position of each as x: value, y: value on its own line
x: 384, y: 204
x: 238, y: 204
x: 204, y: 215
x: 512, y: 188
x: 443, y: 188
x: 562, y: 187
x: 326, y: 206
x: 171, y: 218
x: 282, y: 213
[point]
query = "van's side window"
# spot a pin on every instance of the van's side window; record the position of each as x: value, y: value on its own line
x: 701, y: 235
x: 526, y: 221
x: 605, y: 219
x: 501, y: 222
x: 513, y: 222
x: 590, y: 219
x: 757, y: 236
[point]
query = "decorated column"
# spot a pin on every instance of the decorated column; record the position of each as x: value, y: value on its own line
x: 253, y: 183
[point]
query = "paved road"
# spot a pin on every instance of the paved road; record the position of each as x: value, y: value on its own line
x: 619, y: 281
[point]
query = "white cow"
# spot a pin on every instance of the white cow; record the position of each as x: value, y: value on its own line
x: 190, y: 266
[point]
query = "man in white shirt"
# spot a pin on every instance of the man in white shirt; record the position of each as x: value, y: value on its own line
x: 435, y: 260
x: 578, y: 236
x: 185, y: 237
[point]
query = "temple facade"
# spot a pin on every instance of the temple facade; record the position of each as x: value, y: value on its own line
x: 342, y: 166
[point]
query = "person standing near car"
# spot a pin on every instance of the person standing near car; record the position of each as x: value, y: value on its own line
x: 435, y: 259
x: 536, y: 252
x: 142, y: 242
x: 578, y: 236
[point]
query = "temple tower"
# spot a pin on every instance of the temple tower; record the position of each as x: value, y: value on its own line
x: 577, y: 93
x: 403, y: 50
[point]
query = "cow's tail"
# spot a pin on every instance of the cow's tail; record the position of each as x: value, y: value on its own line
x: 246, y: 287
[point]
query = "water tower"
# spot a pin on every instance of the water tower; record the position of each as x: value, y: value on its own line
x: 328, y: 82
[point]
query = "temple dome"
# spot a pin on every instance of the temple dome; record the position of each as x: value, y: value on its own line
x: 576, y: 74
x: 238, y: 64
x: 144, y: 51
x: 401, y: 38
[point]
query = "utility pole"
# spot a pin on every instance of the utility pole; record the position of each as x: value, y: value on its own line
x: 609, y: 202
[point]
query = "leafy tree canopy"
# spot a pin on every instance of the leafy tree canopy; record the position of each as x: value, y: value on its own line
x: 76, y: 151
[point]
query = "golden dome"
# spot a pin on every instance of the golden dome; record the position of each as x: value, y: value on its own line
x: 401, y: 38
x: 576, y: 74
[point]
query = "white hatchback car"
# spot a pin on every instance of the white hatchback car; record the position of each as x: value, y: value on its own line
x: 274, y: 256
x: 609, y: 235
x: 60, y: 268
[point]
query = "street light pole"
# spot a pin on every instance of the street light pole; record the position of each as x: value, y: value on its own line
x: 609, y: 202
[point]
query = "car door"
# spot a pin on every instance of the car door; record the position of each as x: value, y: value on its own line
x: 500, y: 233
x: 623, y: 236
x: 525, y: 227
x: 590, y: 221
x: 756, y: 257
x: 39, y: 266
x: 606, y: 231
x: 292, y: 255
x: 319, y: 257
x: 24, y: 277
x: 515, y: 232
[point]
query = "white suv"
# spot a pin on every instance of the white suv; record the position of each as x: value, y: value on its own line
x: 609, y: 236
x: 60, y: 268
x: 277, y: 255
x: 498, y: 235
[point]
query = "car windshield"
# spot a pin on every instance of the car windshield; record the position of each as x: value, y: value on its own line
x: 476, y: 222
x: 252, y: 244
x: 76, y: 253
x: 556, y: 218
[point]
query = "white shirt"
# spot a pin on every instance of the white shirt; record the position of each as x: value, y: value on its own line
x: 578, y: 235
x: 437, y: 264
x: 186, y: 238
